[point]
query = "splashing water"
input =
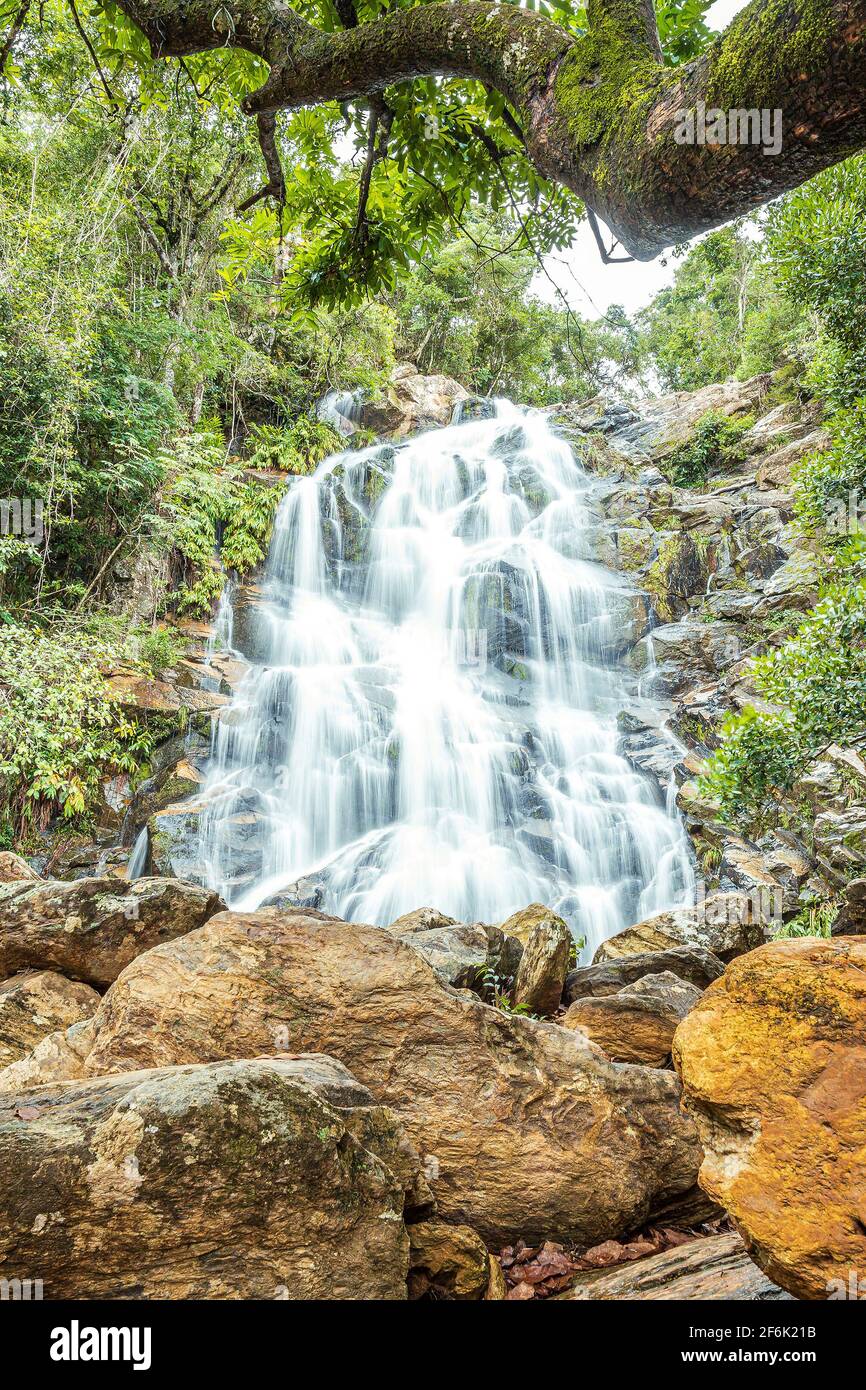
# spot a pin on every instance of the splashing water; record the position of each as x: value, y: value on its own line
x: 434, y: 722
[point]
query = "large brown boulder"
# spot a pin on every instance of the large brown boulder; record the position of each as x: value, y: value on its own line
x: 638, y: 1023
x: 725, y: 923
x: 250, y: 1179
x: 92, y: 928
x: 412, y: 402
x: 37, y: 1003
x: 543, y: 967
x: 523, y: 923
x: 773, y: 1063
x: 447, y: 1262
x: 525, y: 1129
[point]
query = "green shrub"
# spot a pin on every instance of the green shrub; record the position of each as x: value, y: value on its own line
x: 714, y: 445
x: 815, y: 920
x: 825, y: 481
x: 161, y: 649
x: 61, y: 731
x: 818, y: 680
x: 299, y: 449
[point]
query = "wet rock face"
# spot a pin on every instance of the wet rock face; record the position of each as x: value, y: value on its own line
x: 524, y: 1129
x: 773, y: 1063
x: 272, y: 1179
x: 92, y: 928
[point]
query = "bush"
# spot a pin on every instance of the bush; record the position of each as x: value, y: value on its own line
x: 818, y: 680
x: 826, y: 480
x: 713, y: 446
x: 299, y: 449
x: 61, y: 731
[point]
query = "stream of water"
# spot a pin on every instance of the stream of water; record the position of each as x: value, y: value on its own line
x: 433, y: 718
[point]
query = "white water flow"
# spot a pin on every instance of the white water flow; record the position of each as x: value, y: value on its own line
x: 435, y: 722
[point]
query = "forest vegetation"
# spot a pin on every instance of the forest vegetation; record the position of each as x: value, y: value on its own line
x: 166, y: 333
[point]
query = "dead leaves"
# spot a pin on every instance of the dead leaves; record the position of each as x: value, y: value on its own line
x: 541, y: 1271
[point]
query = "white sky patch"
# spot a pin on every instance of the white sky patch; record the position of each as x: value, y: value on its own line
x: 589, y: 286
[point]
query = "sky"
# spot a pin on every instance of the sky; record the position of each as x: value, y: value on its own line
x: 589, y: 286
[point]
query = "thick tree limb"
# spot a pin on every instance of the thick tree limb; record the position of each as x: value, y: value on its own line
x: 598, y: 113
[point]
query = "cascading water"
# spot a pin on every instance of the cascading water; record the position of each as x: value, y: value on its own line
x: 434, y: 720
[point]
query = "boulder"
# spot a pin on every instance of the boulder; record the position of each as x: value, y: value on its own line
x: 412, y: 402
x: 422, y: 919
x: 773, y: 1063
x: 92, y: 928
x: 526, y: 1129
x: 543, y: 967
x: 464, y: 954
x: 851, y: 920
x: 14, y: 869
x: 694, y: 964
x: 523, y: 923
x: 724, y: 923
x: 270, y: 1178
x: 447, y: 1262
x: 37, y: 1003
x: 638, y: 1023
x: 60, y: 1056
x: 715, y: 1267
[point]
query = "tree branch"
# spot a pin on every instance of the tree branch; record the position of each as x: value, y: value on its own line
x: 599, y: 113
x: 14, y: 30
x: 276, y: 185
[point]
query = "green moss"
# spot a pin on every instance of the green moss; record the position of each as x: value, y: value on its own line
x: 764, y: 45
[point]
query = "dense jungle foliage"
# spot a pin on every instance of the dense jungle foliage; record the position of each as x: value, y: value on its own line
x: 165, y: 336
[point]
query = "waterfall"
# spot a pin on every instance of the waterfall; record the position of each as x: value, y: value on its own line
x: 341, y: 410
x: 434, y: 722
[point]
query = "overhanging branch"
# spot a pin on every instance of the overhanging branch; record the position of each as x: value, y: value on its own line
x: 598, y: 114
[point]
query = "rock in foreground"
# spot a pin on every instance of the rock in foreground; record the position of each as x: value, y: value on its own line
x: 638, y: 1023
x: 14, y: 869
x: 692, y: 963
x: 773, y: 1062
x: 92, y: 928
x: 525, y: 1129
x: 543, y: 967
x: 251, y: 1179
x: 717, y: 1267
x: 37, y: 1003
x: 724, y: 923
